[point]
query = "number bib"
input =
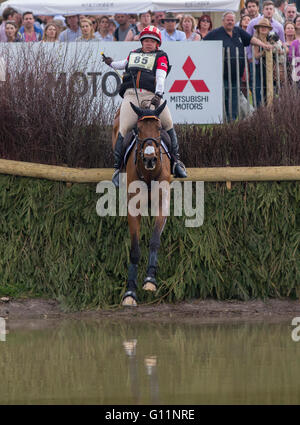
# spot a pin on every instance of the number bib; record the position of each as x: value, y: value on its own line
x: 142, y: 60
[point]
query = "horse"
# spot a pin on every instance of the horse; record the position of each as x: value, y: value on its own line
x: 147, y: 162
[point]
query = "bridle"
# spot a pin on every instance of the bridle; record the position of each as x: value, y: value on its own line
x: 140, y: 143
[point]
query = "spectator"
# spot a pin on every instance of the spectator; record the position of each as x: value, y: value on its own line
x: 29, y: 32
x: 280, y: 5
x: 244, y: 22
x: 252, y: 7
x: 262, y: 29
x: 73, y: 31
x: 59, y: 24
x: 297, y: 26
x: 112, y: 27
x: 145, y: 21
x: 103, y: 26
x: 157, y: 20
x: 187, y: 24
x: 289, y: 33
x: 290, y: 12
x: 268, y: 12
x: 95, y: 24
x: 290, y: 36
x: 11, y: 29
x: 243, y: 12
x: 43, y: 20
x: 61, y: 19
x: 233, y: 37
x: 204, y: 26
x: 123, y: 28
x: 170, y: 33
x: 295, y: 46
x: 179, y: 17
x: 133, y: 20
x: 8, y: 14
x: 51, y: 32
x: 87, y: 30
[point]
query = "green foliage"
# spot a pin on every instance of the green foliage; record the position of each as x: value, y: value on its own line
x: 53, y: 244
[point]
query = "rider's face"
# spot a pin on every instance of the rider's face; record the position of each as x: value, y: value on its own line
x: 149, y: 45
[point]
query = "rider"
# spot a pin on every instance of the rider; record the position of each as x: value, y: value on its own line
x: 145, y: 72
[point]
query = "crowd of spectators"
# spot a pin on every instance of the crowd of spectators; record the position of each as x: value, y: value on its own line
x: 119, y: 27
x: 254, y: 26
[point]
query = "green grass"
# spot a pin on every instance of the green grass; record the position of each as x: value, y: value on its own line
x: 53, y: 244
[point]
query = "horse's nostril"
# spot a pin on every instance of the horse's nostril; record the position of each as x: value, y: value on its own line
x: 150, y: 163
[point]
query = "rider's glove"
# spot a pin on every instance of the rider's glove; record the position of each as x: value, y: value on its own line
x: 107, y: 60
x: 155, y: 101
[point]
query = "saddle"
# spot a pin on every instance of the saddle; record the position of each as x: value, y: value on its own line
x: 130, y: 139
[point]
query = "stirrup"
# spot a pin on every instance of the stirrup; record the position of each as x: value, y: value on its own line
x: 115, y: 177
x: 179, y: 170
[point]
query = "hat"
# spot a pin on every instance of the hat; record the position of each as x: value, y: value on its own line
x: 264, y: 22
x: 151, y: 32
x: 59, y: 18
x: 169, y: 17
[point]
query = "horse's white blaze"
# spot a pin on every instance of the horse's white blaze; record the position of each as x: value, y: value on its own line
x: 149, y: 150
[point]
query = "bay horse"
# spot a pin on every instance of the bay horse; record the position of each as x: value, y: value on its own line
x: 147, y: 161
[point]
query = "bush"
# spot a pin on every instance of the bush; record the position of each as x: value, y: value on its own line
x: 40, y: 123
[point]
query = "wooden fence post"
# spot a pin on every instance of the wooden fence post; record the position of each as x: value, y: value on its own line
x: 269, y: 72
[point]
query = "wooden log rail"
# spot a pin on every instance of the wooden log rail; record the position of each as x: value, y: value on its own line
x: 94, y: 175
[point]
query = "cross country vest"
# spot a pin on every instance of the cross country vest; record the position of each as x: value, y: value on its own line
x: 142, y: 67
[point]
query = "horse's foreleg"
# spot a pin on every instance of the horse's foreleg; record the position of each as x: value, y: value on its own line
x: 130, y: 297
x: 150, y: 283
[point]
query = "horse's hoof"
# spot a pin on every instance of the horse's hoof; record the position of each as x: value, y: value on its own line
x: 150, y: 284
x: 129, y: 301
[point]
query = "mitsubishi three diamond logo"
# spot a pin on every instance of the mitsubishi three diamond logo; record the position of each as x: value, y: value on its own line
x: 179, y: 85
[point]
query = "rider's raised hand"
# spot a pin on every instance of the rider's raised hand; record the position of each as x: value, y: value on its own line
x: 107, y: 60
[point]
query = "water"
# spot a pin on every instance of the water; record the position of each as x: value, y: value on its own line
x: 84, y: 362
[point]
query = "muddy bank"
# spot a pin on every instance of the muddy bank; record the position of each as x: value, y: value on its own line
x: 196, y: 311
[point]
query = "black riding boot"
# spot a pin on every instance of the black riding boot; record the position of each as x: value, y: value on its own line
x: 178, y: 167
x: 118, y: 153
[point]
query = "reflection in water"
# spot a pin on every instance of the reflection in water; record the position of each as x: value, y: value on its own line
x: 84, y: 362
x: 150, y: 363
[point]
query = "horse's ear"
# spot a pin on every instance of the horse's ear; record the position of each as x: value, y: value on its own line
x: 137, y: 110
x: 159, y: 110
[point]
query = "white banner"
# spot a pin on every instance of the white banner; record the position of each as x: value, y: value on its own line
x: 54, y: 7
x: 193, y: 88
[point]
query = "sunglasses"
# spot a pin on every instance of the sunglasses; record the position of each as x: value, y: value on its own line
x: 205, y: 20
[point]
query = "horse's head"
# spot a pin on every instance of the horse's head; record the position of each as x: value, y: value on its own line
x: 149, y: 139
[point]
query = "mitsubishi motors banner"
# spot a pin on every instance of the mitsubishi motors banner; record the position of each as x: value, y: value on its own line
x: 193, y: 88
